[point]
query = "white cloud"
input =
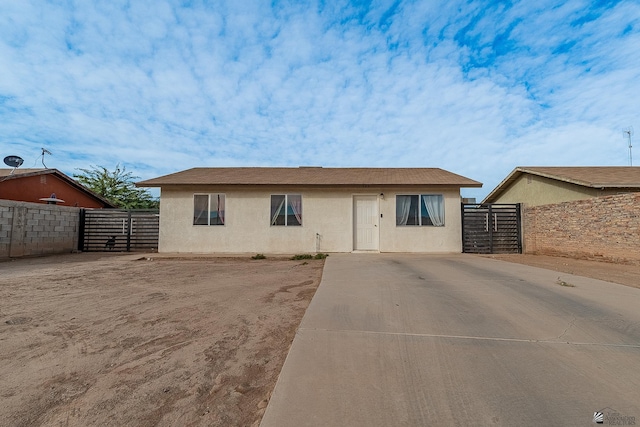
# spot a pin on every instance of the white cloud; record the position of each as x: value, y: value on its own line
x: 470, y: 87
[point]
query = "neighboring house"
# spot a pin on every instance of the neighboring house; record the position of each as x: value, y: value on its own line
x: 535, y: 186
x: 32, y: 185
x: 310, y: 209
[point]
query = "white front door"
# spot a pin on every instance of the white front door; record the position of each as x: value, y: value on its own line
x: 365, y: 227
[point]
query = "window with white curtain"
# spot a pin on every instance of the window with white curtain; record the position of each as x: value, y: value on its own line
x: 208, y: 209
x: 420, y: 210
x: 286, y: 209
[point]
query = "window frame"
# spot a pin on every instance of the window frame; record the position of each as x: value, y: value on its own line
x: 420, y: 206
x: 210, y: 196
x: 286, y: 207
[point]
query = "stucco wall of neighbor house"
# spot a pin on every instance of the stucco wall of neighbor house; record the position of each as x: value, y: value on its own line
x: 327, y: 217
x: 28, y: 229
x: 534, y: 190
x: 602, y: 228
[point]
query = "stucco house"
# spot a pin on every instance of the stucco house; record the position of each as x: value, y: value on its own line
x: 310, y: 209
x: 34, y: 185
x: 534, y: 186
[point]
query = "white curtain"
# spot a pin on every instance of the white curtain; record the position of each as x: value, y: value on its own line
x: 221, y: 208
x: 276, y: 213
x: 200, y: 209
x: 295, y: 201
x: 435, y: 208
x: 403, y: 206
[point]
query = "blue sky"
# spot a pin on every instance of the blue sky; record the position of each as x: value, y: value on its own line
x: 474, y: 87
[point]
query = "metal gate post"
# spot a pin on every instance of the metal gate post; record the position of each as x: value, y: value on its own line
x: 519, y: 226
x: 462, y: 227
x: 81, y: 219
x: 129, y: 231
x: 490, y: 227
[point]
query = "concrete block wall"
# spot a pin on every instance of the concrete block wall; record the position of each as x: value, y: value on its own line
x: 29, y: 229
x: 602, y: 228
x: 6, y: 222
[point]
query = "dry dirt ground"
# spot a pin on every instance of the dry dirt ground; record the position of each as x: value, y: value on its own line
x: 623, y: 274
x: 140, y: 340
x: 122, y: 340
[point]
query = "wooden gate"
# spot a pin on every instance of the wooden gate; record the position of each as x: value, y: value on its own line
x: 118, y: 230
x: 491, y: 229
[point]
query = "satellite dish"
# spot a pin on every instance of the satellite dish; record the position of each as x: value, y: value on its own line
x: 13, y: 161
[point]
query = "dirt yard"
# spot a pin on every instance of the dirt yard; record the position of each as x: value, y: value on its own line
x: 623, y: 274
x: 122, y: 340
x: 142, y: 340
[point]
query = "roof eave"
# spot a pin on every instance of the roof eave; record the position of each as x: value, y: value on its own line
x: 84, y: 189
x: 474, y: 184
x: 621, y: 186
x: 66, y: 179
x: 559, y: 178
x: 500, y: 188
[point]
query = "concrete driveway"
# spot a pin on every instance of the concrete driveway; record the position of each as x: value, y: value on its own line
x: 414, y: 340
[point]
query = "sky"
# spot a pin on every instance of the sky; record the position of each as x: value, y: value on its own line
x: 474, y: 87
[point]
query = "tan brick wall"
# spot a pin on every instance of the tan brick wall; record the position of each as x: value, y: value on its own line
x: 28, y: 229
x: 604, y: 228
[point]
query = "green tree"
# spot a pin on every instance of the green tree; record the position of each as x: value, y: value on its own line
x: 118, y: 187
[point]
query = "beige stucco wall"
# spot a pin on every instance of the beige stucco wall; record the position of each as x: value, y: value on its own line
x: 535, y: 190
x: 327, y: 212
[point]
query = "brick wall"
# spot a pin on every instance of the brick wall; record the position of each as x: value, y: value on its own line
x: 37, y: 229
x: 604, y: 228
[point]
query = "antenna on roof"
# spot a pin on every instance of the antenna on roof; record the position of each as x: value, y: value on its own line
x: 45, y: 151
x: 13, y: 161
x: 628, y: 133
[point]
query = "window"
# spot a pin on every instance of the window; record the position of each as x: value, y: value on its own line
x: 286, y: 209
x: 208, y: 209
x: 420, y: 209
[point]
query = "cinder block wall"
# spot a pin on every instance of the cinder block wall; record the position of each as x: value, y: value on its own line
x: 602, y: 228
x: 6, y: 221
x: 28, y: 229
